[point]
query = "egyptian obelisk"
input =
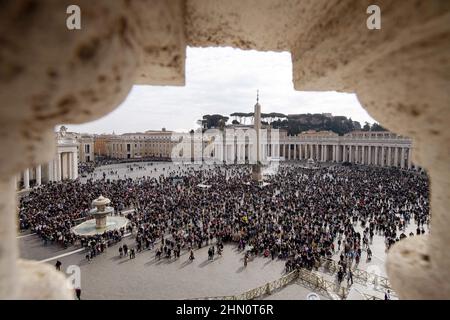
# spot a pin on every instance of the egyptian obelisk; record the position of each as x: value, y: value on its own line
x: 256, y: 169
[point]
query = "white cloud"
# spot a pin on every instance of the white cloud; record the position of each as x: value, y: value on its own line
x: 222, y: 80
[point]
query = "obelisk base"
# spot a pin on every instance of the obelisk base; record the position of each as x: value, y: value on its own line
x: 256, y: 172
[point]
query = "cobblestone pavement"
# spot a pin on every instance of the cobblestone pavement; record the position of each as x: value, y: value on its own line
x: 110, y: 277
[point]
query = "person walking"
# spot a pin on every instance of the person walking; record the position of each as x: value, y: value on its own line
x: 78, y: 293
x: 58, y: 265
x: 349, y: 278
x: 369, y: 254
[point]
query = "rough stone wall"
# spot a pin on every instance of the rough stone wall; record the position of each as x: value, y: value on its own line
x: 50, y: 75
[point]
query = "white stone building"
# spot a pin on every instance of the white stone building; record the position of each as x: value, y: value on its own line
x: 379, y: 148
x: 63, y: 166
x: 152, y: 143
x: 85, y: 147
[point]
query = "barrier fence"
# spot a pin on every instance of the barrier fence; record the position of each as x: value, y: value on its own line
x: 315, y: 281
x: 260, y: 291
x: 360, y: 276
x: 304, y: 276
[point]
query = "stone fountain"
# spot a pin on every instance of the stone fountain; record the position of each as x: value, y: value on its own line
x: 102, y: 221
x: 100, y: 211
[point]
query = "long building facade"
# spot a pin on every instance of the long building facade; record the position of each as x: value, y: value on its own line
x: 378, y: 148
x: 155, y: 144
x: 381, y: 148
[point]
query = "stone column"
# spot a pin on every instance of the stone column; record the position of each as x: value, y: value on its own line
x: 369, y: 154
x: 8, y: 246
x: 241, y: 148
x: 402, y: 160
x: 26, y: 178
x: 225, y: 151
x: 388, y: 156
x: 289, y: 151
x: 238, y: 152
x: 375, y: 162
x: 38, y: 175
x: 363, y: 155
x: 396, y: 156
x: 217, y: 153
x: 409, y: 157
x: 74, y: 165
x: 50, y: 171
x: 59, y: 165
x: 55, y: 169
x: 70, y: 165
x: 382, y: 156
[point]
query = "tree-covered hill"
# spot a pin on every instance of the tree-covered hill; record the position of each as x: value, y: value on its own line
x: 293, y: 123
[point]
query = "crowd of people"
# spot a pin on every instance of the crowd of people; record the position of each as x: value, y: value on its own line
x: 300, y: 215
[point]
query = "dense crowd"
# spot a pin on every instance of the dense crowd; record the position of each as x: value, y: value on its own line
x: 300, y: 216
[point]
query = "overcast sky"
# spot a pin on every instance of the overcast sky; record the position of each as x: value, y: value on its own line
x: 223, y: 81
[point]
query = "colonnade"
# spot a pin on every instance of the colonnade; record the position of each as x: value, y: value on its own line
x: 63, y: 166
x: 395, y: 154
x: 372, y: 154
